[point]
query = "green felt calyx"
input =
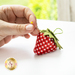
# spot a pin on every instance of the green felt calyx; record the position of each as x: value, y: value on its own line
x: 52, y: 35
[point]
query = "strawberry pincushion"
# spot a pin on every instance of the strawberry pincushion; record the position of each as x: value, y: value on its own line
x: 46, y: 42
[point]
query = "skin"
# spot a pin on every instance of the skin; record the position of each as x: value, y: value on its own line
x: 13, y: 22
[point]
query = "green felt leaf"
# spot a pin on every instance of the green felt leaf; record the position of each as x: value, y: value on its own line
x: 52, y: 34
x: 42, y: 31
x: 58, y: 45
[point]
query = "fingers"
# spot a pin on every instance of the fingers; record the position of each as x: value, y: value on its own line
x: 20, y: 12
x: 7, y: 10
x: 26, y: 36
x: 15, y: 29
x: 14, y: 36
x: 30, y: 16
x: 2, y: 42
x: 21, y: 21
x: 5, y: 40
x: 35, y: 32
x: 24, y: 12
x: 8, y: 38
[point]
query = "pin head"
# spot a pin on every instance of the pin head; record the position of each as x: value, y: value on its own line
x: 31, y: 22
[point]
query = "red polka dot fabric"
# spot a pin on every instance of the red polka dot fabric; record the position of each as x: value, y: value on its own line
x: 44, y: 44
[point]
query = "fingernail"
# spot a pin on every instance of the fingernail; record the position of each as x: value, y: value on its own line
x: 29, y: 27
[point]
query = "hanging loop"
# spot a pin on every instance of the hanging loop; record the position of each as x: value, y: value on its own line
x: 57, y: 29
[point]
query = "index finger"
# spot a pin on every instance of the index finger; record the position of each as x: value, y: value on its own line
x: 23, y: 11
x: 30, y: 16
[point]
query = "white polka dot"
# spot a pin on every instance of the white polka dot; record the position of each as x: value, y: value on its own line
x: 53, y: 44
x: 38, y: 52
x: 44, y: 37
x: 44, y: 49
x: 46, y: 41
x: 41, y: 51
x: 45, y: 45
x: 51, y: 48
x: 51, y: 41
x: 40, y: 36
x: 40, y: 33
x: 42, y: 46
x: 48, y: 44
x: 39, y: 48
x: 37, y: 41
x: 43, y: 42
x: 40, y: 43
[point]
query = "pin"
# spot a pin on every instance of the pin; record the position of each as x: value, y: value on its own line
x: 31, y: 22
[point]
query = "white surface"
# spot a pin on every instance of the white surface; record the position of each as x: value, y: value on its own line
x: 55, y: 63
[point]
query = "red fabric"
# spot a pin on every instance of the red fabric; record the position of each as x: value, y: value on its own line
x: 44, y: 44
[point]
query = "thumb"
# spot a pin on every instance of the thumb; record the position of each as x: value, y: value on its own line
x: 15, y: 29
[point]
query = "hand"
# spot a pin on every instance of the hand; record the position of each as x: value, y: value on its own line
x: 15, y: 21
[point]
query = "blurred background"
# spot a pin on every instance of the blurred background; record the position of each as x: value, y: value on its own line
x: 43, y: 9
x: 63, y: 10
